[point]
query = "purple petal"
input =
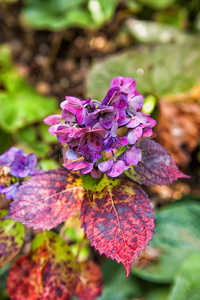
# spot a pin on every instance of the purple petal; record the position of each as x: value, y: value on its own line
x: 19, y: 169
x: 53, y: 129
x: 106, y: 120
x: 72, y: 104
x: 31, y: 160
x: 122, y: 102
x: 126, y: 84
x: 80, y: 115
x: 121, y: 118
x: 68, y: 116
x: 95, y: 173
x: 134, y: 122
x: 23, y: 173
x: 110, y: 143
x: 10, y: 190
x: 134, y: 135
x: 107, y: 109
x: 91, y: 119
x: 94, y: 141
x: 117, y: 169
x: 132, y: 156
x: 147, y: 132
x: 99, y: 126
x: 101, y: 131
x: 151, y: 121
x: 136, y: 102
x: 82, y: 165
x: 53, y: 119
x: 122, y: 141
x: 71, y: 154
x: 87, y: 170
x: 112, y: 91
x: 71, y: 165
x: 105, y: 165
x: 90, y: 155
x: 7, y: 158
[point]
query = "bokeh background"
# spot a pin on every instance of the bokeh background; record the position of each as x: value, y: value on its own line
x: 54, y: 48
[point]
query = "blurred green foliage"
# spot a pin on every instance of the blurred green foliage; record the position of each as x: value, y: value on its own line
x: 177, y: 237
x: 21, y: 107
x: 48, y: 14
x: 158, y: 70
x: 186, y: 281
x: 56, y: 16
x: 20, y: 103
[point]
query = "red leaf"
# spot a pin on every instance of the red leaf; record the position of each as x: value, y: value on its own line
x: 24, y: 280
x: 50, y: 271
x: 118, y: 220
x: 90, y: 285
x: 47, y: 199
x: 157, y: 166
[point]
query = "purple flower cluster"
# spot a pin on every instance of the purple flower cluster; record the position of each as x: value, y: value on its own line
x: 89, y: 130
x: 21, y: 165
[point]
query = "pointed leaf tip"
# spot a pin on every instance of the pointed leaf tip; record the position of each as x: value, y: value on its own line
x: 118, y: 221
x: 157, y: 167
x: 47, y: 199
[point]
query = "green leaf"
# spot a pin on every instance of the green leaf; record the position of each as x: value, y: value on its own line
x: 20, y: 103
x: 116, y: 286
x: 11, y: 238
x: 102, y: 10
x: 27, y: 135
x: 154, y: 32
x: 177, y: 236
x: 62, y: 14
x: 56, y: 16
x: 48, y: 164
x: 157, y: 4
x: 90, y: 183
x: 159, y: 293
x: 44, y: 133
x: 23, y: 107
x: 186, y: 282
x: 158, y: 70
x: 5, y: 141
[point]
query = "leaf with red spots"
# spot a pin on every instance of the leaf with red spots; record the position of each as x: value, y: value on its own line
x: 50, y: 271
x: 47, y: 199
x: 117, y: 219
x: 11, y: 238
x: 24, y: 279
x: 89, y: 286
x: 157, y: 167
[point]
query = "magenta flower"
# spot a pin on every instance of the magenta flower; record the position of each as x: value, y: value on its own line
x: 88, y: 129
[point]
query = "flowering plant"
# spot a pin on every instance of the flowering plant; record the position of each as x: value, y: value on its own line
x: 88, y: 129
x: 101, y: 140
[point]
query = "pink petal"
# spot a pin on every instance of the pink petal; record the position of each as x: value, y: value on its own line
x: 53, y: 119
x: 106, y: 165
x: 117, y: 169
x: 134, y: 135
